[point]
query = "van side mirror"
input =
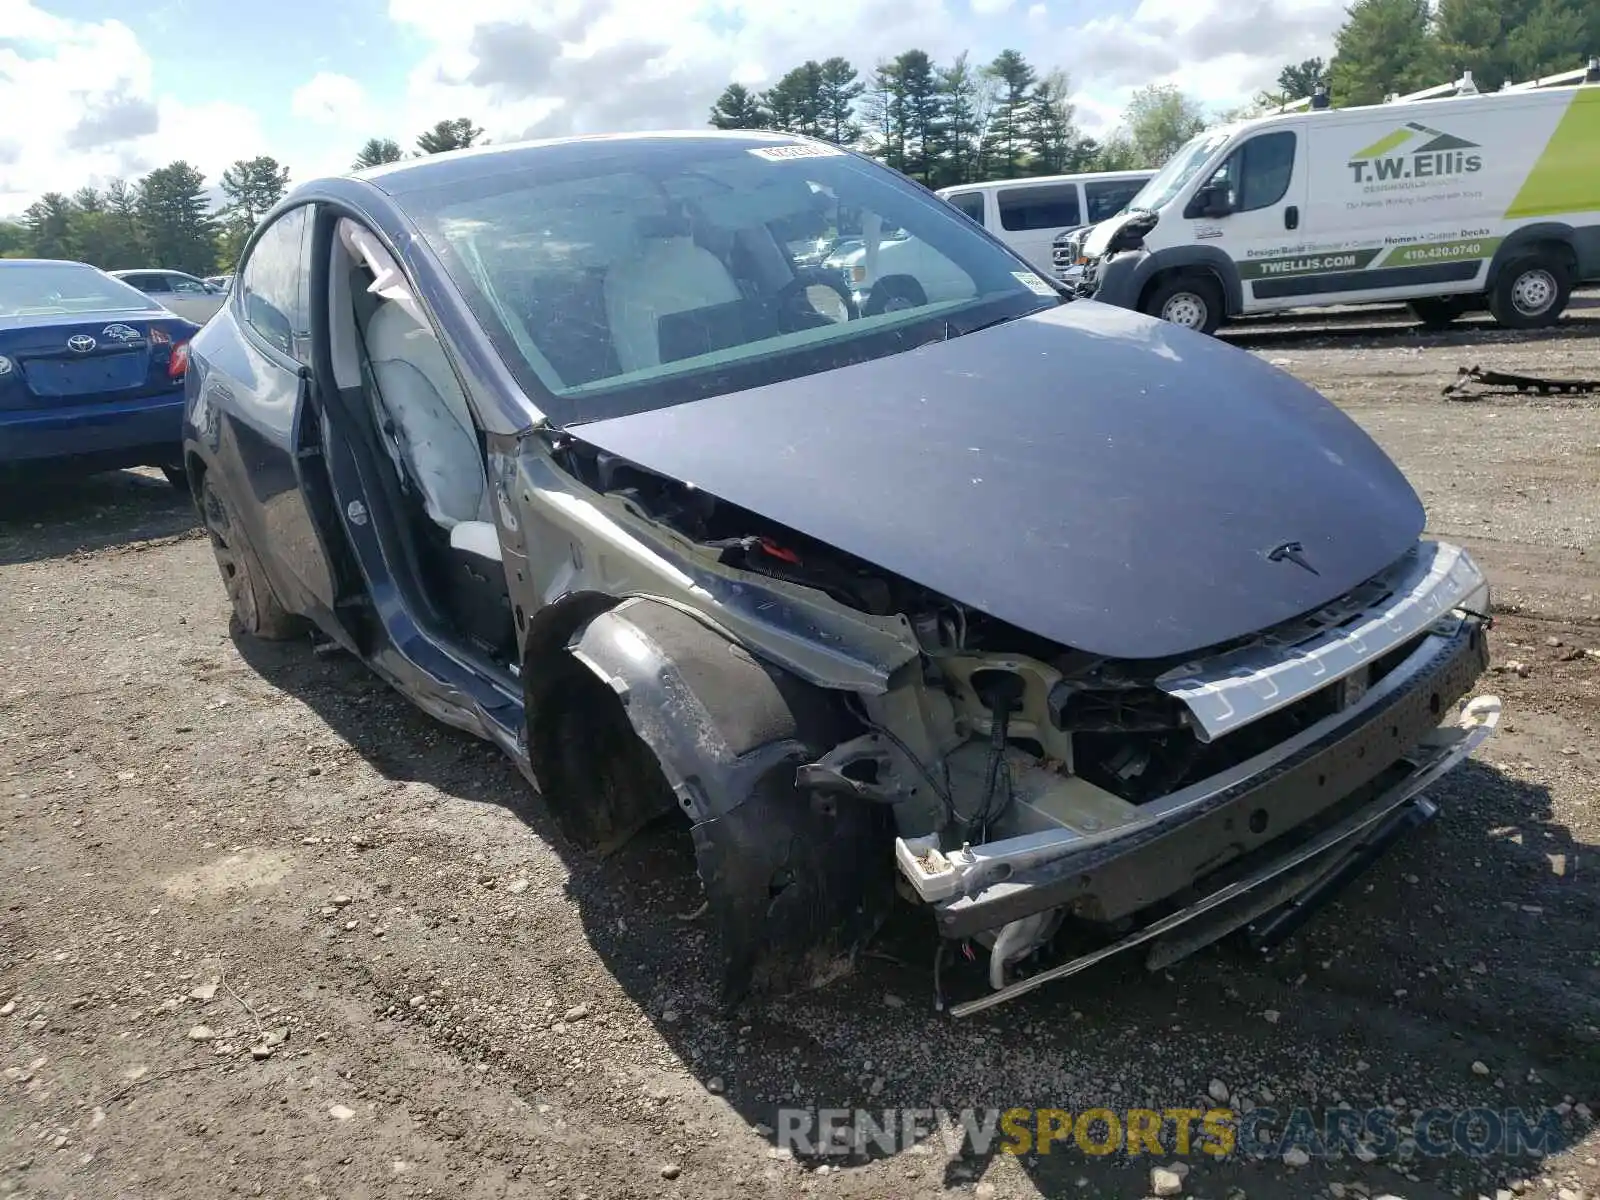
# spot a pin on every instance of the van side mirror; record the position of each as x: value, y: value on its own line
x: 1212, y: 201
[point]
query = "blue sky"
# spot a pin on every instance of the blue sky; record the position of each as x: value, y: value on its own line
x: 115, y: 89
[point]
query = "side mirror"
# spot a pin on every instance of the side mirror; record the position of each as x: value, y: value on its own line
x: 1212, y: 201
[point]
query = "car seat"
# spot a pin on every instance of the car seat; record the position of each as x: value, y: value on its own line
x: 664, y: 275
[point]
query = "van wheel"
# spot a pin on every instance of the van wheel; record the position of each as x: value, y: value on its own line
x: 1192, y: 301
x: 1531, y: 292
x: 894, y: 294
x: 1438, y: 312
x: 255, y: 605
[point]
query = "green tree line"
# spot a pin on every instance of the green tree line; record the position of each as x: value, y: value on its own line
x: 939, y: 123
x: 166, y: 219
x: 957, y: 122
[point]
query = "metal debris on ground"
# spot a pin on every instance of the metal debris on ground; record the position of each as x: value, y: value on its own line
x: 1499, y: 381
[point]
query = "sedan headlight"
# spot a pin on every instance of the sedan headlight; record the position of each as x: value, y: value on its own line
x: 5, y: 365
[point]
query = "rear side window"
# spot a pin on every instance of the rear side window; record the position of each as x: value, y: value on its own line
x: 1049, y: 206
x: 145, y: 283
x: 275, y: 284
x: 1105, y: 200
x: 1266, y: 165
x: 969, y: 203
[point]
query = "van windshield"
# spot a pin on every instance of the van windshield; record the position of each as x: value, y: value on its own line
x: 1180, y: 169
x: 625, y: 275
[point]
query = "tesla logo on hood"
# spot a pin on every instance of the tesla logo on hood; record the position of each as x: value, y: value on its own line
x: 1291, y: 552
x: 80, y: 343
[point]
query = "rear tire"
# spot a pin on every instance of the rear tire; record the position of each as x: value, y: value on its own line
x: 1439, y: 312
x: 255, y: 605
x: 1192, y: 301
x: 894, y: 294
x: 1531, y: 292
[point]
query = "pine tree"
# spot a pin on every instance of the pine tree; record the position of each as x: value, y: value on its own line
x: 177, y: 228
x: 738, y: 108
x: 795, y: 102
x: 841, y: 87
x: 49, y: 222
x: 1005, y: 144
x: 1047, y: 126
x: 377, y: 151
x: 963, y: 93
x: 454, y: 134
x: 1385, y: 46
x: 122, y: 217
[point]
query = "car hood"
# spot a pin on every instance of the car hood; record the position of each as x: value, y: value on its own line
x: 1097, y: 477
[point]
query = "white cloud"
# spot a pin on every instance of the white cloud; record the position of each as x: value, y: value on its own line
x: 92, y: 112
x: 328, y: 98
x: 1220, y: 53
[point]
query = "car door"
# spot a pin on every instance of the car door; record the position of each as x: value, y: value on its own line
x: 1251, y: 208
x: 1031, y: 215
x: 189, y: 297
x: 262, y: 361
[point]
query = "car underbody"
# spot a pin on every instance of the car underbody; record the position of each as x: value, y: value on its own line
x: 836, y: 735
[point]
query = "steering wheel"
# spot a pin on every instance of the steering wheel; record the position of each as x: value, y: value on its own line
x: 797, y: 302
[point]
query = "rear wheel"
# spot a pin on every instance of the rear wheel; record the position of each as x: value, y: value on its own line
x: 1531, y: 292
x: 1439, y: 312
x: 255, y: 604
x: 1193, y: 301
x: 894, y: 294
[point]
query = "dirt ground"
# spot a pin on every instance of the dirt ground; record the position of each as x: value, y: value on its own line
x: 267, y: 930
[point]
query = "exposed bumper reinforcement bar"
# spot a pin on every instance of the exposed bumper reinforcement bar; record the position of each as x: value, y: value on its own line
x: 1276, y: 891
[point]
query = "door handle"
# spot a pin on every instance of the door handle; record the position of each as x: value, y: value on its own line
x: 1291, y: 217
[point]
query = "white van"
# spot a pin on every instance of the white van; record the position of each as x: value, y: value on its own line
x: 1450, y: 204
x: 1028, y: 214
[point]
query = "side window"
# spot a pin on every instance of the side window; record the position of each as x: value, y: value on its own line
x: 970, y: 204
x: 1049, y: 206
x: 275, y: 284
x: 1266, y: 165
x: 184, y: 286
x: 145, y: 283
x: 1105, y: 200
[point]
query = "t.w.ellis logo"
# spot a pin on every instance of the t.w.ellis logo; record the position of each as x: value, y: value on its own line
x: 1414, y: 152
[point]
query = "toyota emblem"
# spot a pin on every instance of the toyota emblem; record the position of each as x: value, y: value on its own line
x: 80, y: 343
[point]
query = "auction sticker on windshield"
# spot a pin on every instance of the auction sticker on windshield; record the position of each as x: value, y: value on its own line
x: 1033, y: 283
x: 779, y: 153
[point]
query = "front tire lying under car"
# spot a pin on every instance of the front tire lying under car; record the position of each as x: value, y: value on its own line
x: 686, y: 721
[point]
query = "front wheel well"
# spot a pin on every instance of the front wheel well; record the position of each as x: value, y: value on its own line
x: 1168, y: 274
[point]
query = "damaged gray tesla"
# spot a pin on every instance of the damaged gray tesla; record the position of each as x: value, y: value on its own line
x: 1072, y: 629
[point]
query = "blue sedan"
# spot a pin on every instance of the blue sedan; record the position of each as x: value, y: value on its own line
x: 91, y: 372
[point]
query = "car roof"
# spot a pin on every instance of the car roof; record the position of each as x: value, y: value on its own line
x: 457, y: 166
x: 44, y: 262
x: 990, y: 185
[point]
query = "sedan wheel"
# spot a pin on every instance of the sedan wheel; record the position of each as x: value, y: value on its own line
x: 255, y: 605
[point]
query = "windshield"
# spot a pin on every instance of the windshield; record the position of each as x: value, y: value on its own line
x: 621, y: 276
x: 1180, y: 169
x: 42, y: 289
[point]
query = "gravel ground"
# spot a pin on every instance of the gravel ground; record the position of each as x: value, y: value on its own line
x: 267, y: 930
